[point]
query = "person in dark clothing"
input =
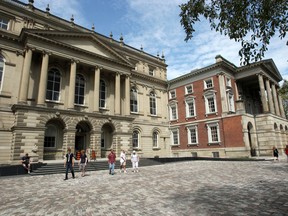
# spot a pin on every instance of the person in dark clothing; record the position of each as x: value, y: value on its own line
x: 275, y: 153
x: 26, y: 162
x: 111, y: 162
x: 69, y: 163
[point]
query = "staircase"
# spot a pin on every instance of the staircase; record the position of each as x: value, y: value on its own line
x: 57, y: 168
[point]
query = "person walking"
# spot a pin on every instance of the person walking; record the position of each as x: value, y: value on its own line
x: 25, y: 160
x: 135, y: 161
x: 275, y: 153
x: 111, y: 162
x: 123, y: 162
x: 82, y: 163
x: 286, y: 152
x: 69, y: 163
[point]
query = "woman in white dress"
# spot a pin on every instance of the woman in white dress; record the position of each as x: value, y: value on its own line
x: 135, y: 161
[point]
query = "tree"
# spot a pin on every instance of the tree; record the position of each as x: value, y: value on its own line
x: 251, y: 22
x: 283, y: 91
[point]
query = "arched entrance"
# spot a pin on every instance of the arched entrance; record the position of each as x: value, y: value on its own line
x: 82, y: 136
x: 107, y: 131
x: 252, y: 147
x: 53, y: 140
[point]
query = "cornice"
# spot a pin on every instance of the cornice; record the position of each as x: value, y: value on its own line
x: 148, y: 78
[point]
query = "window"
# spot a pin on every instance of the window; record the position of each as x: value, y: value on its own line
x: 135, y: 139
x: 133, y: 100
x: 192, y: 135
x: 210, y: 103
x: 208, y: 83
x: 228, y: 82
x: 79, y: 89
x: 213, y: 133
x: 175, y: 137
x: 190, y: 107
x: 102, y: 140
x: 230, y: 98
x: 50, y: 137
x: 1, y: 71
x: 155, y: 139
x: 102, y: 94
x: 172, y: 94
x: 53, y: 85
x: 173, y: 112
x: 151, y: 72
x: 152, y: 103
x: 189, y: 89
x: 4, y: 23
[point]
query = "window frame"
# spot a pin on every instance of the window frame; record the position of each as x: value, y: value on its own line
x: 137, y: 139
x: 134, y: 103
x: 153, y: 103
x: 189, y: 134
x: 54, y: 91
x: 173, y: 106
x: 2, y: 70
x: 208, y: 107
x: 102, y: 93
x: 187, y: 107
x: 155, y: 139
x: 186, y: 89
x: 172, y: 94
x: 207, y: 85
x: 210, y: 134
x: 2, y: 22
x: 80, y: 85
x: 175, y: 134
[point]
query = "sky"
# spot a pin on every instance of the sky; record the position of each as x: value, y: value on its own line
x: 155, y: 25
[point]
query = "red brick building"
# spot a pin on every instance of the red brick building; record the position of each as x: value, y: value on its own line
x: 227, y: 111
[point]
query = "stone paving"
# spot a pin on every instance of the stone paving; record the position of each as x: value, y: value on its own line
x: 183, y: 188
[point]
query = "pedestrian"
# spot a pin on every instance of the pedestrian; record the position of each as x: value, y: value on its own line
x: 69, y: 163
x: 135, y: 161
x: 25, y: 160
x: 286, y: 152
x: 82, y: 163
x: 123, y: 162
x: 111, y: 162
x: 275, y: 153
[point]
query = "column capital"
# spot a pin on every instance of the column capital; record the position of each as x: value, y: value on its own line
x: 74, y: 60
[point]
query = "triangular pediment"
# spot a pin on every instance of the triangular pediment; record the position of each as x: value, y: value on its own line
x: 82, y: 42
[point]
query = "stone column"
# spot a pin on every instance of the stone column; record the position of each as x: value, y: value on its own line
x: 127, y: 95
x: 223, y: 96
x: 43, y: 80
x: 23, y: 94
x: 262, y: 92
x: 269, y: 94
x: 96, y: 89
x: 117, y: 93
x: 72, y: 85
x: 282, y: 112
x: 275, y: 98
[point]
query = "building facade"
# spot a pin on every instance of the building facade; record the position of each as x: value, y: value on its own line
x: 62, y: 85
x: 227, y: 111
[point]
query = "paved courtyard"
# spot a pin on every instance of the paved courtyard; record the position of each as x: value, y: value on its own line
x: 183, y: 188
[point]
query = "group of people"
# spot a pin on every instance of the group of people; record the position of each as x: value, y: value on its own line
x: 69, y: 162
x: 112, y: 160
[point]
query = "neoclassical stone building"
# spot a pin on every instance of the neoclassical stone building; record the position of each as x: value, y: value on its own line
x: 227, y: 111
x: 62, y: 85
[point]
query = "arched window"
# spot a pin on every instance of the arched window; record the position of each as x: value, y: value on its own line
x: 79, y: 89
x: 152, y: 103
x: 155, y: 139
x: 135, y: 139
x: 1, y: 71
x: 53, y: 85
x: 133, y: 100
x: 102, y: 94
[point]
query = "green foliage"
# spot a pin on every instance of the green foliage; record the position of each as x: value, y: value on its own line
x: 283, y: 91
x: 251, y: 22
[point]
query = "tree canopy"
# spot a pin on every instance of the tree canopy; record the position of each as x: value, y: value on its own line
x: 251, y: 22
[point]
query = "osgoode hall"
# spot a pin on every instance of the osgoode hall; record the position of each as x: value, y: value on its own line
x: 63, y: 85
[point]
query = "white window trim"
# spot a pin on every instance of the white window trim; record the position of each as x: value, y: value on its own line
x: 106, y: 93
x: 155, y: 96
x: 209, y: 95
x: 189, y: 127
x: 137, y: 99
x: 170, y: 94
x: 139, y: 141
x: 228, y: 82
x: 205, y: 83
x: 208, y: 126
x: 189, y: 99
x: 230, y: 101
x: 172, y: 137
x: 173, y: 105
x: 186, y: 92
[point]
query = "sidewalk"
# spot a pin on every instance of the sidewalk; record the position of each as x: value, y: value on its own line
x: 183, y: 188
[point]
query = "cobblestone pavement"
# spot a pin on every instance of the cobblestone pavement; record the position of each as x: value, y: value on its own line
x: 183, y: 188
